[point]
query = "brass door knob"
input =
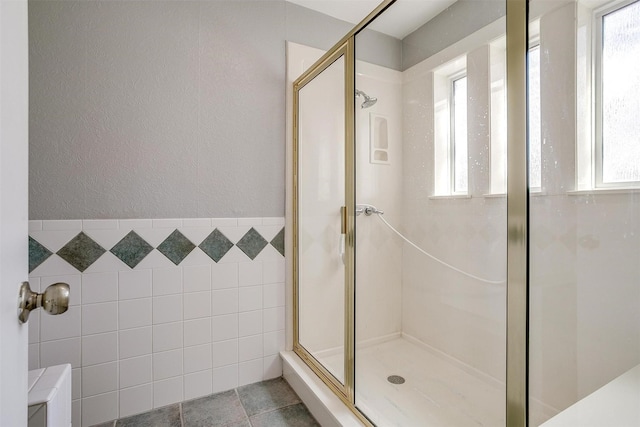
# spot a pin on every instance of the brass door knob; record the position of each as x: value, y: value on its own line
x: 54, y: 300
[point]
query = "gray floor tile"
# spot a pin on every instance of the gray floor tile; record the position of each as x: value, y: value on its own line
x: 292, y: 416
x: 267, y: 396
x: 169, y: 416
x: 222, y: 409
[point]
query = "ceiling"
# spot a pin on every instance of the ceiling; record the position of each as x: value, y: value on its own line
x: 400, y: 19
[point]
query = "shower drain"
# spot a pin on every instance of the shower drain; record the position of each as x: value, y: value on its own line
x: 395, y: 379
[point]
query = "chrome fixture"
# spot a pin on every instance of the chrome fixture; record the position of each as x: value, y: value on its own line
x: 54, y: 300
x: 369, y: 101
x: 368, y: 210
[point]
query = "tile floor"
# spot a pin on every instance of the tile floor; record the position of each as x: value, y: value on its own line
x: 269, y: 403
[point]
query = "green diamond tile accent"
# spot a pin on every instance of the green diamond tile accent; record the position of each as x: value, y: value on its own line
x: 37, y: 254
x: 216, y: 245
x: 278, y: 242
x: 252, y: 243
x: 81, y: 251
x: 131, y: 249
x: 176, y: 247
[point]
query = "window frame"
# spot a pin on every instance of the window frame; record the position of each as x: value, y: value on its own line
x: 597, y: 85
x: 453, y: 78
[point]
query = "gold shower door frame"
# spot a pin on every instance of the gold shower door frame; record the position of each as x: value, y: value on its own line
x: 517, y: 363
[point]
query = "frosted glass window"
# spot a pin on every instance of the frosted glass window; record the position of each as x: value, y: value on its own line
x: 621, y: 95
x: 459, y: 137
x: 535, y: 180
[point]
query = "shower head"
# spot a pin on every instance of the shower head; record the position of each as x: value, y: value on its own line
x: 368, y: 100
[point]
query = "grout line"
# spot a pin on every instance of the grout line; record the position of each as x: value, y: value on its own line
x: 235, y: 390
x: 181, y: 414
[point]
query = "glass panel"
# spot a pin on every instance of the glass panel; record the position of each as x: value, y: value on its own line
x: 321, y: 193
x: 460, y: 182
x: 584, y: 248
x: 621, y: 95
x: 430, y: 271
x: 535, y: 181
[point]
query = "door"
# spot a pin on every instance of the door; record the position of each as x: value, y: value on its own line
x: 322, y: 189
x: 13, y: 208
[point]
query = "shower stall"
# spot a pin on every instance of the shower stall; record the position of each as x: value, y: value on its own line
x: 465, y: 225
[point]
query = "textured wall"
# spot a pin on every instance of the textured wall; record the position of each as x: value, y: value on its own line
x: 162, y: 109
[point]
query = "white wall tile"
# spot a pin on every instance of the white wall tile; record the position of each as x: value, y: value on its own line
x: 167, y: 336
x: 99, y: 287
x: 134, y: 313
x: 155, y: 259
x: 134, y: 284
x: 197, y: 222
x: 277, y: 220
x: 65, y: 325
x: 250, y: 323
x: 167, y: 281
x: 53, y: 266
x: 167, y: 308
x: 273, y: 271
x: 198, y: 384
x: 224, y: 222
x: 196, y: 234
x: 135, y: 371
x: 250, y: 273
x: 234, y: 233
x: 131, y: 224
x: 99, y: 409
x: 224, y: 378
x: 35, y: 226
x: 225, y: 327
x: 76, y: 412
x: 107, y: 263
x: 197, y: 331
x: 134, y: 342
x: 197, y: 278
x: 224, y: 276
x: 100, y: 224
x: 250, y: 348
x: 272, y: 367
x: 196, y: 257
x: 167, y: 392
x: 99, y: 318
x: 273, y: 342
x: 197, y: 358
x: 224, y: 301
x: 167, y: 223
x: 273, y: 319
x: 234, y: 255
x: 106, y: 238
x: 98, y: 379
x: 197, y: 305
x: 74, y: 282
x: 225, y: 353
x: 136, y: 400
x: 273, y: 295
x: 61, y: 351
x: 34, y: 326
x: 64, y: 224
x: 250, y: 372
x: 167, y: 364
x: 34, y: 356
x: 268, y: 231
x: 250, y: 298
x: 76, y: 383
x: 101, y: 348
x: 249, y: 221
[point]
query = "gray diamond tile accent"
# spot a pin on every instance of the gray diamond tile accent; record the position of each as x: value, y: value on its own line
x: 81, y: 251
x: 252, y: 243
x: 278, y: 242
x: 131, y: 249
x: 37, y: 254
x: 176, y: 247
x: 216, y: 245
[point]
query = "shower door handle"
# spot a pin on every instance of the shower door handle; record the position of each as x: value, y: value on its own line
x: 343, y: 235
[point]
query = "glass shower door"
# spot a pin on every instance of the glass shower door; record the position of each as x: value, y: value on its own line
x: 321, y: 255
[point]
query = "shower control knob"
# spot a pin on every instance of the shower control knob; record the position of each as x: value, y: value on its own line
x: 54, y: 300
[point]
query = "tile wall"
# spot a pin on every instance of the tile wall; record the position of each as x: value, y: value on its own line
x: 161, y: 310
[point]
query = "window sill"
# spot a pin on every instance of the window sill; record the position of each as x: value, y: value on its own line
x: 450, y: 196
x: 532, y: 193
x: 628, y: 190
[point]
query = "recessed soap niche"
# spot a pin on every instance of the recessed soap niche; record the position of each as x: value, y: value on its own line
x: 378, y: 139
